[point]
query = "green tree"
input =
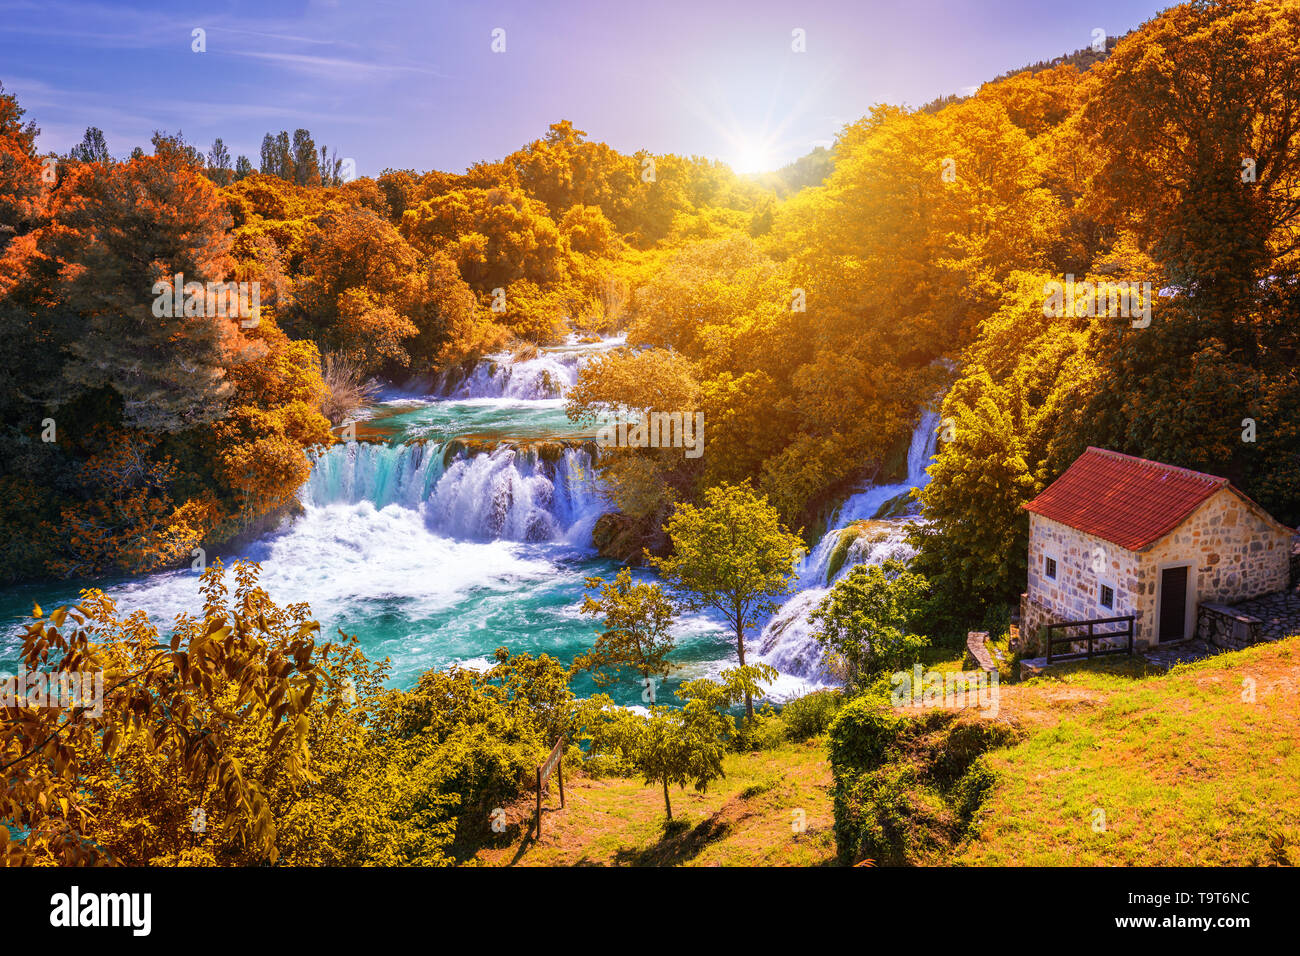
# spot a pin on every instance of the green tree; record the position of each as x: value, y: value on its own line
x: 679, y: 746
x: 92, y: 148
x: 638, y: 622
x: 864, y: 621
x: 732, y: 555
x: 674, y: 745
x: 306, y: 165
x: 973, y: 545
x: 219, y: 170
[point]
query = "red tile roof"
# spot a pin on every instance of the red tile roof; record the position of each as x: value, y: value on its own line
x: 1131, y: 502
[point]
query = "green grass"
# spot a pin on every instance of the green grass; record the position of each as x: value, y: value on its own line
x: 745, y: 819
x: 1184, y: 770
x: 1123, y: 768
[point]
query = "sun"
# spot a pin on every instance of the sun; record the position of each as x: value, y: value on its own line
x: 752, y: 157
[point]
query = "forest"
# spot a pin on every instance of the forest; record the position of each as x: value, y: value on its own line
x: 810, y: 314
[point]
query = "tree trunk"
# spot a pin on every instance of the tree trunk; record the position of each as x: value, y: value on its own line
x: 667, y: 805
x: 740, y: 649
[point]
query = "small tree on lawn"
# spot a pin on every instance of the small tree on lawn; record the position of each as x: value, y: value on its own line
x: 638, y: 619
x: 863, y: 623
x: 675, y: 745
x: 732, y: 555
x: 680, y: 745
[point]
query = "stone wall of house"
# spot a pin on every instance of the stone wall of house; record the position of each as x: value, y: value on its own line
x: 1235, y: 555
x: 1033, y: 616
x: 1083, y: 563
x: 1238, y: 555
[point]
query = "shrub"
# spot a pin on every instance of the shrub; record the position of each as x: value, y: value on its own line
x: 889, y: 816
x: 969, y: 793
x: 860, y: 735
x: 347, y: 390
x: 907, y: 788
x: 811, y: 714
x: 765, y: 731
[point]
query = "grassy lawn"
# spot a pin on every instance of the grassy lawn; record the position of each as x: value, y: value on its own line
x: 1118, y: 766
x: 743, y: 820
x: 1184, y: 770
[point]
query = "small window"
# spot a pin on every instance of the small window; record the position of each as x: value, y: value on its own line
x: 1049, y: 567
x: 1108, y: 596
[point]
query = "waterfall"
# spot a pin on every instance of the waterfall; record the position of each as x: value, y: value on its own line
x: 874, y: 501
x: 868, y: 528
x: 549, y: 374
x: 510, y: 493
x: 381, y: 474
x: 513, y: 494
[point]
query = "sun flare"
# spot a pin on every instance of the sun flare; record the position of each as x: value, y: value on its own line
x: 753, y: 158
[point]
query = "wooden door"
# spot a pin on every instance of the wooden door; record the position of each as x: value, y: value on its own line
x: 1173, y: 604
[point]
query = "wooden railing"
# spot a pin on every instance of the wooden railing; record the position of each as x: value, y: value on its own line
x: 553, y: 763
x: 1091, y: 637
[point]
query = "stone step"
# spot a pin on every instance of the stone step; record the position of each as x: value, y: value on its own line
x: 979, y: 651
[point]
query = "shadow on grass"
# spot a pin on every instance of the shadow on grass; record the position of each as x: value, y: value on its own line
x: 530, y: 835
x: 1117, y: 665
x: 680, y: 842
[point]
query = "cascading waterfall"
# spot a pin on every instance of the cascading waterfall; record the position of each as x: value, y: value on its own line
x: 549, y: 374
x: 512, y: 494
x: 381, y: 474
x: 468, y: 530
x: 471, y: 529
x: 515, y: 495
x: 787, y: 641
x: 871, y: 502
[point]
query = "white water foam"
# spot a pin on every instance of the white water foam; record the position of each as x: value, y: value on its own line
x: 549, y: 374
x: 788, y: 640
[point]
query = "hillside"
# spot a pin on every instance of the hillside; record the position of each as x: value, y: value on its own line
x: 1186, y: 772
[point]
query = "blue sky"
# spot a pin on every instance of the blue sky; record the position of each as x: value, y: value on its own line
x: 401, y: 83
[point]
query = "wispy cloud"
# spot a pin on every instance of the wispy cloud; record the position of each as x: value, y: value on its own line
x: 333, y: 65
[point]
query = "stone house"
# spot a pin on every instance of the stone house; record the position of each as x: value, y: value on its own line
x: 1117, y: 535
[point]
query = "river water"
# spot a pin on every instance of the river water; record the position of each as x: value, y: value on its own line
x: 436, y: 556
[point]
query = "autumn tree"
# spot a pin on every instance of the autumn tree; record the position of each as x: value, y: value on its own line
x: 1207, y: 92
x: 1212, y: 192
x: 173, y: 706
x: 495, y: 236
x: 21, y: 183
x: 565, y: 169
x: 121, y: 234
